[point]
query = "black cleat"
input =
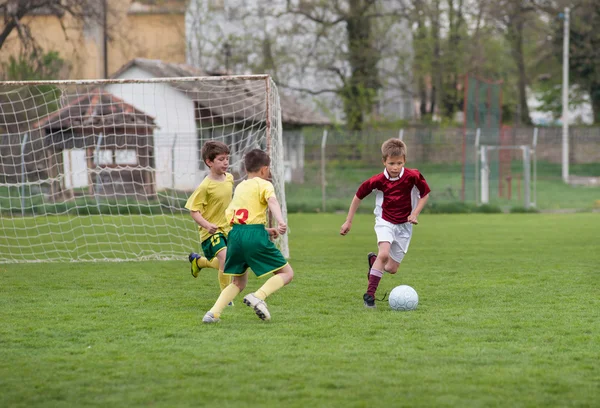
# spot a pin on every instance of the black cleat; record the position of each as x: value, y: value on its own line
x: 371, y: 259
x: 369, y: 301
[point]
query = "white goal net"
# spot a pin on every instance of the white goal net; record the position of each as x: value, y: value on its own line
x: 100, y: 170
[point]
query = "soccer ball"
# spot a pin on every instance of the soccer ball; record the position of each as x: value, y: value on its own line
x: 403, y: 297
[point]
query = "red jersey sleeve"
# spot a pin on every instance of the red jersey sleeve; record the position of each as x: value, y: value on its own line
x: 422, y: 185
x: 367, y: 187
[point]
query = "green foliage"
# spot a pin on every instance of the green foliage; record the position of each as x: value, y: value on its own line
x: 34, y: 100
x: 460, y: 207
x: 33, y: 66
x: 524, y: 210
x: 508, y: 316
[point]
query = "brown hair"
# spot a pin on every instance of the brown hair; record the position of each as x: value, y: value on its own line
x: 393, y: 148
x: 255, y: 159
x: 212, y: 149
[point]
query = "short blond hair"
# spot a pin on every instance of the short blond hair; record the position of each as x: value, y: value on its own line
x: 393, y: 148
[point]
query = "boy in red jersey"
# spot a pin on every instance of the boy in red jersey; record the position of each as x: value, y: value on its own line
x: 401, y: 195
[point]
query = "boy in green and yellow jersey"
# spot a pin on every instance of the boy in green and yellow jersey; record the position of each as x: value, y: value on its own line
x: 207, y: 207
x: 249, y: 243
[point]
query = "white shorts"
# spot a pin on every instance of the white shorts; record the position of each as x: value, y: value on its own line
x: 398, y: 235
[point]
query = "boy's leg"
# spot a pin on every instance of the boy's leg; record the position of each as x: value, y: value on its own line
x: 256, y: 300
x: 371, y: 257
x: 198, y: 262
x: 376, y: 273
x: 264, y: 258
x: 224, y: 280
x: 226, y: 296
x: 281, y: 278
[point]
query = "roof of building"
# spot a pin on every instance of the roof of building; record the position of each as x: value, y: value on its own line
x: 96, y: 108
x: 227, y: 104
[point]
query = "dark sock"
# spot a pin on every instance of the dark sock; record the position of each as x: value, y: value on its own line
x: 373, y: 284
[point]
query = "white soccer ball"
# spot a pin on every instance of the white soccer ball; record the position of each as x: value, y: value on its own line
x: 403, y: 297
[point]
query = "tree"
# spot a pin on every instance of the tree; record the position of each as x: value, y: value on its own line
x: 512, y: 17
x: 15, y: 11
x: 347, y: 54
x: 347, y: 50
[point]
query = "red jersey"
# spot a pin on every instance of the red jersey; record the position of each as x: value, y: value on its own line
x: 395, y: 196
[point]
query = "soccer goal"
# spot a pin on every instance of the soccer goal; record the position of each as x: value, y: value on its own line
x: 506, y: 173
x: 100, y: 170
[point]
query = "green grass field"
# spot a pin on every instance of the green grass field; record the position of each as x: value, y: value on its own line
x: 508, y: 316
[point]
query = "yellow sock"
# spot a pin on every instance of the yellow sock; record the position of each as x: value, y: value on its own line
x: 224, y: 280
x: 226, y: 296
x: 205, y: 263
x: 272, y: 285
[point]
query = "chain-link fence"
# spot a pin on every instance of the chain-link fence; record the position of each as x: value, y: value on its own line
x: 336, y: 162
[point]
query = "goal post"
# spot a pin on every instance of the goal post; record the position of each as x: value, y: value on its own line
x: 482, y: 122
x: 517, y: 182
x: 101, y: 169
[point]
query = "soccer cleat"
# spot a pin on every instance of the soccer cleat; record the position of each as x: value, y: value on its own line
x: 259, y: 306
x: 195, y: 269
x: 371, y: 259
x: 369, y: 301
x: 209, y: 317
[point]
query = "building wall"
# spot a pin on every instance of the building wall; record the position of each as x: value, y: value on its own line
x: 156, y: 35
x: 175, y: 138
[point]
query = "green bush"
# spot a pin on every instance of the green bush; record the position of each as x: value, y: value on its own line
x: 523, y: 210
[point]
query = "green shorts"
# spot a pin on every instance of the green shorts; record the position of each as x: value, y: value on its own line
x: 212, y: 245
x: 249, y: 246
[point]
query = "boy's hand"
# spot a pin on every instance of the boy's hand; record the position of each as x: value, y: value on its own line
x: 345, y: 228
x: 282, y: 227
x: 413, y: 219
x: 212, y: 228
x: 272, y: 232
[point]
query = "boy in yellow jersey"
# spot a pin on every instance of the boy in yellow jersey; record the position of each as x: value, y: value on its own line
x: 249, y: 243
x: 207, y: 207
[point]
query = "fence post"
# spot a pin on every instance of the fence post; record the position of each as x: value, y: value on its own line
x: 173, y: 161
x: 323, y: 178
x: 485, y: 176
x: 98, y: 177
x: 477, y: 162
x: 23, y: 143
x: 534, y: 159
x: 527, y: 175
x: 401, y: 134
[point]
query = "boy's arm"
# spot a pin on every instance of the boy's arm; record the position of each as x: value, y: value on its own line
x: 203, y: 222
x: 412, y: 218
x: 276, y: 211
x: 351, y: 211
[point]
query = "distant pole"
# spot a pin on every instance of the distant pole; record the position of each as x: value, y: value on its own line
x: 23, y: 173
x: 565, y: 100
x: 323, y: 167
x: 105, y: 38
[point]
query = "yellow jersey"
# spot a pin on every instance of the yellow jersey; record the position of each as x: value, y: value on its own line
x: 249, y: 204
x: 211, y: 199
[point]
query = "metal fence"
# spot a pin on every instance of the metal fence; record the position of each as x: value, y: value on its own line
x: 336, y: 162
